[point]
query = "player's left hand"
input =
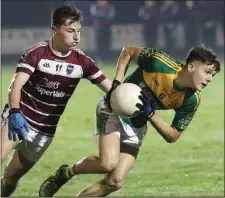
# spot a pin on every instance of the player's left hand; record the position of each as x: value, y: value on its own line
x: 145, y: 108
x: 115, y: 84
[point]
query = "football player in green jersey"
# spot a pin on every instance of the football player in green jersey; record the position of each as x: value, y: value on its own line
x: 166, y: 84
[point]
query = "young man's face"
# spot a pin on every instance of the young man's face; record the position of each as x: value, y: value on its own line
x: 69, y: 35
x: 201, y: 74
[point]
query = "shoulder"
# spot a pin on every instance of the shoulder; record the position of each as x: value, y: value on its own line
x: 192, y: 100
x: 82, y: 57
x: 156, y: 60
x: 34, y: 51
x: 37, y: 47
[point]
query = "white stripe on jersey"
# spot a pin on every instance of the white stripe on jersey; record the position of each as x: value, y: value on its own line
x: 96, y: 75
x: 29, y: 82
x: 37, y: 123
x: 49, y: 104
x: 46, y: 114
x: 58, y: 68
x: 24, y: 65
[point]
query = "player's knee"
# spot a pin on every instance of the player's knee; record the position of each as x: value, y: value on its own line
x: 10, y: 180
x: 109, y: 166
x: 116, y: 182
x: 8, y: 186
x: 7, y: 182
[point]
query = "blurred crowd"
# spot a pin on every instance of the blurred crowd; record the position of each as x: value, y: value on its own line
x: 199, y: 19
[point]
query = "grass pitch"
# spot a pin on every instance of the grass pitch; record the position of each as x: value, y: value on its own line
x: 193, y: 166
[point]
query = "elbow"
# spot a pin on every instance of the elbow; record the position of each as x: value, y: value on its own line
x: 173, y: 136
x: 171, y: 140
x: 130, y: 51
x: 126, y: 49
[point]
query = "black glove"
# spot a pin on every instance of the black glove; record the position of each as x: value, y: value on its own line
x: 115, y: 84
x: 145, y: 108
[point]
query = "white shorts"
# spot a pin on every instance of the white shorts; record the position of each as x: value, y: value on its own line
x: 108, y: 122
x: 35, y: 144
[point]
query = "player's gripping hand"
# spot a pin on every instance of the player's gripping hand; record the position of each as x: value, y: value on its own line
x: 145, y: 108
x: 115, y: 84
x: 16, y: 125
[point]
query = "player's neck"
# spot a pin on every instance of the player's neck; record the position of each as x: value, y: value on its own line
x: 57, y: 46
x: 182, y: 81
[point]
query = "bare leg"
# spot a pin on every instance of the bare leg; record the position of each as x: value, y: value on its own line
x: 109, y: 149
x: 113, y: 180
x: 109, y: 146
x: 17, y: 166
x: 94, y: 190
x: 6, y: 145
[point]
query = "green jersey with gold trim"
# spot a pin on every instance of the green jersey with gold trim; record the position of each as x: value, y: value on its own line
x: 156, y: 74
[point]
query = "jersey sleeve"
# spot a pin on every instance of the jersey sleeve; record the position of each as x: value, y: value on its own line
x: 27, y: 62
x: 155, y: 60
x: 145, y: 59
x: 186, y: 112
x: 93, y: 73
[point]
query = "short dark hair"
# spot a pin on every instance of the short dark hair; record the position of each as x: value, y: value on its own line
x: 203, y: 54
x: 60, y: 15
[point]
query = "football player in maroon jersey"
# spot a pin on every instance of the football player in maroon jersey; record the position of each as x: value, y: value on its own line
x: 46, y: 76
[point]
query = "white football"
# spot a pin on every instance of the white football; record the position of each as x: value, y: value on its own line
x: 124, y: 98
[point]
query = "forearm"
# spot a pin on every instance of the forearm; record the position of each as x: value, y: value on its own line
x: 105, y: 85
x: 122, y: 64
x: 14, y: 97
x: 19, y: 79
x: 169, y: 133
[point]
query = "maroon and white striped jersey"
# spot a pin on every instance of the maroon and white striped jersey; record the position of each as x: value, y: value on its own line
x: 53, y: 79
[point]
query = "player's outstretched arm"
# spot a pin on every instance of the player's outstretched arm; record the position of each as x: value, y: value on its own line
x: 169, y: 133
x: 105, y: 85
x: 128, y: 53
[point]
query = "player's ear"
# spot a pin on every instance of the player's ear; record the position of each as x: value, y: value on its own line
x: 190, y: 67
x: 54, y: 29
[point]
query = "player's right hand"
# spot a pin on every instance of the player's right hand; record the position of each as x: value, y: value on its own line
x: 16, y: 125
x: 145, y: 108
x: 115, y: 84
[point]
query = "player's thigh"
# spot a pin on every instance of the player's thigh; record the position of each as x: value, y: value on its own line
x: 108, y: 129
x: 127, y: 160
x: 109, y: 148
x: 16, y: 167
x: 6, y: 145
x: 34, y: 146
x: 26, y: 155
